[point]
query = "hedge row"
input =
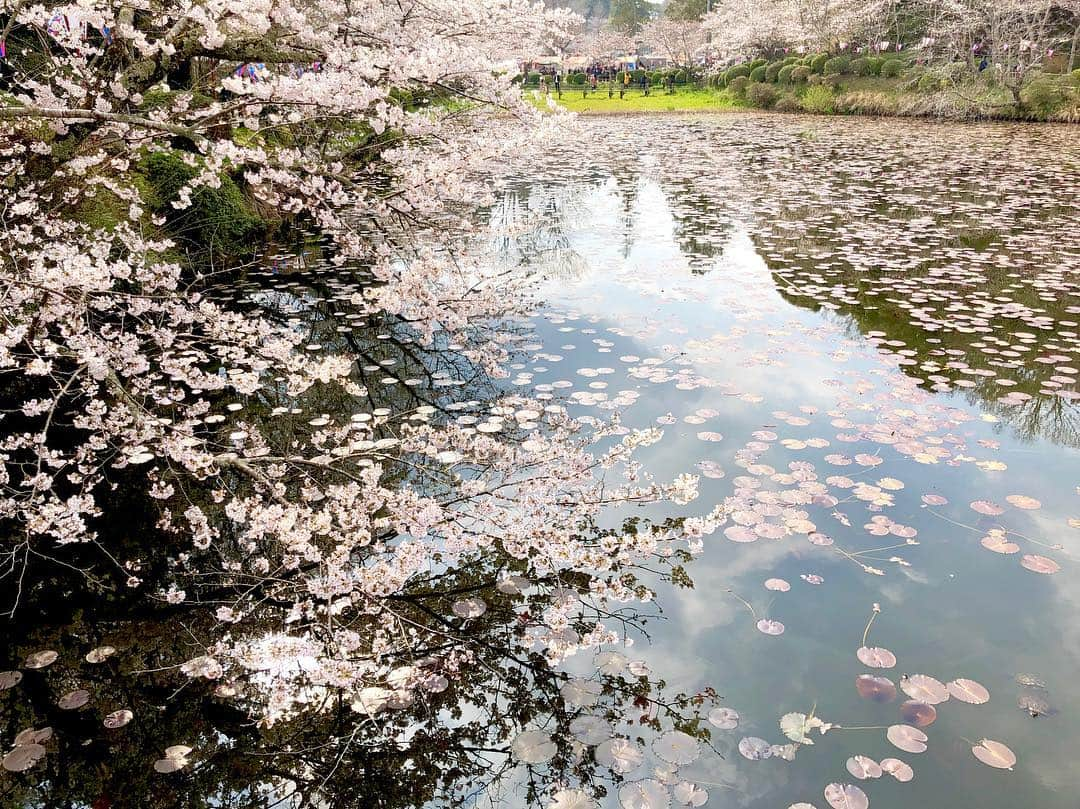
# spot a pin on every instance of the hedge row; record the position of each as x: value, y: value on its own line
x: 798, y: 69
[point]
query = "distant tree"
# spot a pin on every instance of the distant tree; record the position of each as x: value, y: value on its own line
x: 686, y: 9
x: 678, y: 40
x: 630, y: 15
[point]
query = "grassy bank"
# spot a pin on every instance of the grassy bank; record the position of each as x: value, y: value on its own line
x: 1045, y: 98
x: 684, y: 99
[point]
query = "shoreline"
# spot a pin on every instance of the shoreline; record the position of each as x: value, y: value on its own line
x: 985, y: 119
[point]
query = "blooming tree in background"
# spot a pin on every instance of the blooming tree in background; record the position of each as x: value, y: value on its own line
x: 680, y: 41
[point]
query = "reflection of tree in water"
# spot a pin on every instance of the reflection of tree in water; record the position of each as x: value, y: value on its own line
x: 449, y: 740
x: 458, y: 738
x: 941, y: 354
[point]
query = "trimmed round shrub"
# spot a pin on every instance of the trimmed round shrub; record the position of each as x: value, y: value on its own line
x: 818, y: 62
x: 758, y: 63
x: 1042, y: 96
x: 860, y: 67
x: 637, y: 75
x: 577, y: 79
x: 738, y: 86
x: 681, y: 77
x: 929, y: 83
x: 761, y: 95
x: 891, y: 68
x: 657, y: 77
x: 800, y: 74
x: 773, y: 71
x: 838, y: 64
x: 734, y: 72
x: 784, y: 76
x: 792, y: 60
x: 534, y: 79
x: 818, y: 100
x: 758, y: 74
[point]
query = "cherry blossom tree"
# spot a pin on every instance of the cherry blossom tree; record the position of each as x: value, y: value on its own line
x: 274, y: 476
x: 680, y: 41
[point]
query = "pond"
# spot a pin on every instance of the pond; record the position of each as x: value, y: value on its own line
x: 860, y: 337
x: 883, y: 316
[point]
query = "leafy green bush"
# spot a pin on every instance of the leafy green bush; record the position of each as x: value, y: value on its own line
x: 681, y: 77
x: 891, y: 68
x: 838, y: 64
x: 738, y: 86
x: 735, y: 72
x: 773, y: 71
x: 758, y: 74
x: 637, y: 75
x: 1076, y: 77
x: 800, y: 74
x: 758, y: 63
x: 577, y: 79
x: 817, y: 64
x: 875, y: 63
x: 929, y: 83
x: 784, y: 76
x: 1042, y: 96
x: 819, y: 100
x: 792, y: 60
x: 534, y: 79
x: 219, y: 220
x: 787, y: 104
x: 761, y: 95
x: 860, y: 67
x: 657, y: 77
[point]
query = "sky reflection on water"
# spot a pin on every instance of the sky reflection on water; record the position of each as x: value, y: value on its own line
x: 678, y: 255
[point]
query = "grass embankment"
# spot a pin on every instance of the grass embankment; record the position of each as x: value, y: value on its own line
x: 920, y: 94
x: 598, y: 103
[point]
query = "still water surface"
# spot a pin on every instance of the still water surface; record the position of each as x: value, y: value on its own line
x: 865, y: 302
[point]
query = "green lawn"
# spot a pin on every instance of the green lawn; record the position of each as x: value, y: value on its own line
x: 635, y: 101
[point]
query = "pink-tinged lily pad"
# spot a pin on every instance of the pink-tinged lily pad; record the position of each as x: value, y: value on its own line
x: 23, y: 757
x: 846, y: 796
x: 875, y: 689
x: 39, y: 660
x: 968, y: 691
x: 1023, y: 501
x: 987, y: 507
x: 999, y: 544
x: 876, y: 657
x: 73, y: 700
x: 1039, y: 564
x: 918, y: 713
x: 934, y: 500
x: 754, y: 748
x: 770, y: 627
x: 907, y: 738
x: 740, y: 533
x: 117, y: 719
x: 924, y: 688
x: 898, y: 769
x: 778, y: 585
x: 994, y: 754
x: 724, y: 718
x: 862, y: 767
